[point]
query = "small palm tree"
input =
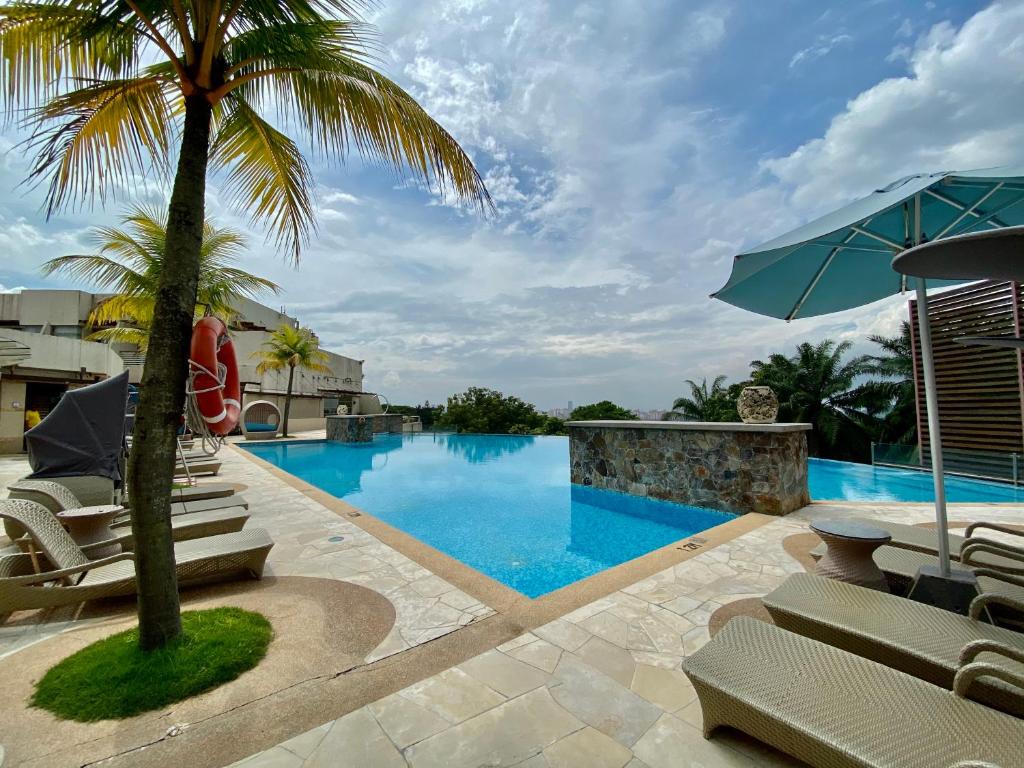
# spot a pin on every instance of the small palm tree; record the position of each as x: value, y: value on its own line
x: 291, y: 348
x: 129, y: 261
x: 707, y: 403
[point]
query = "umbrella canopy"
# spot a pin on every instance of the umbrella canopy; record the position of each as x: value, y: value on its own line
x: 83, y: 434
x: 844, y: 259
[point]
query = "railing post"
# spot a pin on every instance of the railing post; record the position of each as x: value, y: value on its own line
x: 872, y: 453
x: 1016, y: 474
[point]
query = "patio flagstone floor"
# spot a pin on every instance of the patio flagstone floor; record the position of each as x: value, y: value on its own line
x: 600, y: 687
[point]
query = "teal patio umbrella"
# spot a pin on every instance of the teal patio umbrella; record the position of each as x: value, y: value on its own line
x: 844, y: 260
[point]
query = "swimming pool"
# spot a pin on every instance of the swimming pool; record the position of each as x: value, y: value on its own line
x: 841, y: 480
x: 501, y: 504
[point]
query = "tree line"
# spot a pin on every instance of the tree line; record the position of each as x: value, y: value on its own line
x: 850, y: 401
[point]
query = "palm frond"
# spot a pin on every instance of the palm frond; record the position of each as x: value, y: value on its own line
x: 122, y: 334
x: 106, y: 133
x: 121, y: 307
x: 267, y: 173
x: 93, y: 269
x: 44, y: 47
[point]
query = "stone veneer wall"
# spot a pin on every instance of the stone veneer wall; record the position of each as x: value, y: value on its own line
x: 741, y: 471
x: 350, y: 429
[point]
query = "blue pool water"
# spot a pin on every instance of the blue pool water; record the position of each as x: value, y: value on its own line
x: 840, y: 480
x: 501, y: 504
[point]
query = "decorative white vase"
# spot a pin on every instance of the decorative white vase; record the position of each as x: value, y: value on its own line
x: 757, y: 405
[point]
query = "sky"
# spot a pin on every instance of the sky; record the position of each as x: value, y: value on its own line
x: 632, y: 149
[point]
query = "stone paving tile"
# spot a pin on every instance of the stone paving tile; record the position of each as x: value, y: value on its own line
x: 305, y: 744
x: 503, y: 736
x: 587, y: 747
x: 669, y: 689
x: 670, y: 738
x: 355, y: 741
x: 454, y: 695
x: 599, y: 701
x: 506, y: 675
x: 539, y: 653
x: 406, y: 722
x: 614, y: 660
x: 278, y: 757
x: 563, y: 634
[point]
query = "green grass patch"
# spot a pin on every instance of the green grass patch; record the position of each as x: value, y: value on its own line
x: 113, y: 678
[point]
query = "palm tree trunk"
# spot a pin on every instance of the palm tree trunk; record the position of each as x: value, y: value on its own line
x: 288, y: 400
x: 151, y: 465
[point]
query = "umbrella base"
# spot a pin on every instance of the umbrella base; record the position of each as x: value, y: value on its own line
x: 951, y: 593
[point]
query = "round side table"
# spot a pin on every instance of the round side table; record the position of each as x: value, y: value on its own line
x: 849, y: 554
x: 88, y: 525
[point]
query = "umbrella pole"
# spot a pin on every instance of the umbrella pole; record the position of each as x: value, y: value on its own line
x: 934, y: 434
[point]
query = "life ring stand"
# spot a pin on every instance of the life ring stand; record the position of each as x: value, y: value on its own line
x: 214, y: 386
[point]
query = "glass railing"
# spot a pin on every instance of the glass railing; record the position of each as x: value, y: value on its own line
x: 991, y: 465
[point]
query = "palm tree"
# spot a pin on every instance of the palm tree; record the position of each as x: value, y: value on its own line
x: 894, y: 395
x: 707, y: 403
x: 816, y: 386
x: 114, y: 87
x: 290, y: 347
x: 129, y: 261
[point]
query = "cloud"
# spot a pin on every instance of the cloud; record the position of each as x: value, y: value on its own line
x: 958, y: 107
x: 821, y: 48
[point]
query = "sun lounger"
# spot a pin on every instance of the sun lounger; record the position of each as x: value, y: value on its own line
x: 831, y: 708
x: 197, y: 467
x: 186, y: 523
x: 79, y: 579
x: 183, y: 528
x: 198, y: 498
x: 926, y: 540
x: 918, y: 639
x: 204, y: 491
x: 901, y: 565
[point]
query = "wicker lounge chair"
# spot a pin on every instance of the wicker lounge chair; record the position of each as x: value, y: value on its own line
x: 831, y: 708
x: 185, y: 523
x: 918, y: 639
x: 926, y: 541
x: 901, y: 565
x: 79, y: 579
x: 57, y: 497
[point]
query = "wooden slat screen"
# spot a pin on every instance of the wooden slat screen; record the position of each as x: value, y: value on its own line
x: 979, y: 388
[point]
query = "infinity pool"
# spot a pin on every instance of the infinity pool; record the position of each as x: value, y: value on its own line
x: 841, y: 480
x: 501, y: 504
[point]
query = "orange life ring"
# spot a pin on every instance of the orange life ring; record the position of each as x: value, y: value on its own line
x: 219, y: 404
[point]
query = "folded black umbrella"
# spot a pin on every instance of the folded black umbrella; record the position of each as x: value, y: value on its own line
x: 83, y: 434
